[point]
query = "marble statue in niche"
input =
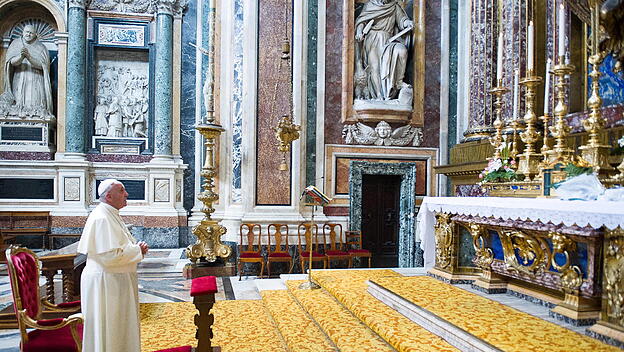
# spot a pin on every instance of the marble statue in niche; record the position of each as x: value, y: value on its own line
x: 382, y: 134
x: 122, y: 101
x: 381, y: 53
x: 27, y: 88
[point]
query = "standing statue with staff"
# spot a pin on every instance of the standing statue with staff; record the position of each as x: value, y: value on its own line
x: 381, y: 49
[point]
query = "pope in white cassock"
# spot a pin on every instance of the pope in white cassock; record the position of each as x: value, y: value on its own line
x: 109, y: 286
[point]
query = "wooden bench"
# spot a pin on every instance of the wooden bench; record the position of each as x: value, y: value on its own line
x: 23, y: 223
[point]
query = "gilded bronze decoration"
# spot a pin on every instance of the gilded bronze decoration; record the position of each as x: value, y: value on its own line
x: 497, y: 140
x: 532, y: 250
x: 286, y: 132
x: 528, y: 162
x: 444, y: 240
x: 483, y: 255
x: 613, y: 274
x: 561, y: 153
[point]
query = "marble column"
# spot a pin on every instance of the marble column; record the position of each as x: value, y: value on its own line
x: 76, y: 78
x: 163, y: 97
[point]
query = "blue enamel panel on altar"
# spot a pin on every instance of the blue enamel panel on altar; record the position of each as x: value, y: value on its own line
x: 611, y: 83
x: 496, y: 245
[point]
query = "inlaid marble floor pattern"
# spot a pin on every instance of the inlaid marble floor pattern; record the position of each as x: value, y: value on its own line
x: 161, y: 280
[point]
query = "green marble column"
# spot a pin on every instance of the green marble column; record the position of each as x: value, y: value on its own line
x: 163, y: 92
x: 76, y: 77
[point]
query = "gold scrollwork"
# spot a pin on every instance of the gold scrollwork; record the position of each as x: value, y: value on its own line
x: 613, y: 272
x: 571, y: 279
x: 532, y: 250
x: 444, y: 240
x: 571, y: 276
x: 483, y: 255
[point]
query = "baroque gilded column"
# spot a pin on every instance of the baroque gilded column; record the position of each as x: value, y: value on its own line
x: 163, y: 97
x: 76, y: 77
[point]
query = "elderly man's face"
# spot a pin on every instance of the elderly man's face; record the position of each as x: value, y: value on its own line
x: 117, y: 196
x: 29, y: 34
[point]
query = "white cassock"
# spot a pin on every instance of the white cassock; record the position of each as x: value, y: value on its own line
x: 109, y: 285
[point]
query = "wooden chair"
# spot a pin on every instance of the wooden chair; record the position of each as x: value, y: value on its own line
x: 336, y: 245
x: 59, y: 334
x: 251, y: 252
x: 309, y: 233
x: 354, y: 247
x: 278, y: 237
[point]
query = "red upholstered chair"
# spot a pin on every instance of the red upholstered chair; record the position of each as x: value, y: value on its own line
x: 250, y: 253
x: 308, y: 234
x: 336, y: 245
x: 49, y: 335
x: 354, y: 247
x: 278, y: 237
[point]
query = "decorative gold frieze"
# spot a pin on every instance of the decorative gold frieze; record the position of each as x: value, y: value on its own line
x: 532, y: 250
x: 613, y: 273
x: 444, y: 240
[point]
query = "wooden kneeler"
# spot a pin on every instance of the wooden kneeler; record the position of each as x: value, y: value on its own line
x: 203, y: 291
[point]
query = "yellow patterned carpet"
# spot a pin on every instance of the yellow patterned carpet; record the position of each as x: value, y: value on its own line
x: 298, y: 329
x: 245, y: 326
x: 504, y: 327
x: 347, y: 332
x: 349, y: 287
x: 167, y: 325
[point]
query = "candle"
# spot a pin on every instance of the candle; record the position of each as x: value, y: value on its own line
x: 547, y: 88
x: 530, y: 47
x: 516, y: 94
x: 562, y: 24
x: 499, y: 60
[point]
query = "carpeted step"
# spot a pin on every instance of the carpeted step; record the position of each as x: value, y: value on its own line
x: 346, y: 331
x: 156, y: 329
x: 299, y: 330
x: 245, y: 325
x: 478, y: 318
x: 349, y: 288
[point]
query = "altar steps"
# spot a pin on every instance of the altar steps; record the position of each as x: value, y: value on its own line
x: 344, y: 316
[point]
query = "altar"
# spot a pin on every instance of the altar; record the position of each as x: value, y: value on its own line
x: 564, y: 254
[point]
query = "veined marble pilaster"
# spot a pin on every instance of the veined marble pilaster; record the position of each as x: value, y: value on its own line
x: 237, y: 102
x: 164, y: 79
x: 76, y: 77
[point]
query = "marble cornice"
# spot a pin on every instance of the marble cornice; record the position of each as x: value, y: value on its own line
x: 78, y: 3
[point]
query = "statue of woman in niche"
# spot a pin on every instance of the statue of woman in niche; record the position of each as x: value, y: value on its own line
x: 381, y: 49
x: 101, y: 124
x: 27, y: 71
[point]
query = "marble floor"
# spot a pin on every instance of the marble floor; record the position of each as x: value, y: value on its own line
x: 161, y: 280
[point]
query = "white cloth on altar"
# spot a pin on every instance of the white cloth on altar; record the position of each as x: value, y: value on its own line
x: 109, y: 285
x: 582, y: 213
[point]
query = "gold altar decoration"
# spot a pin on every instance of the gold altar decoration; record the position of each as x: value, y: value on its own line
x: 561, y: 153
x: 497, y: 140
x: 286, y: 131
x: 483, y: 255
x: 614, y: 276
x: 528, y: 161
x: 444, y: 240
x: 595, y: 152
x: 546, y: 141
x: 532, y: 250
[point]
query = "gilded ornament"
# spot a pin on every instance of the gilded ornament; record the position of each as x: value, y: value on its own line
x: 444, y: 240
x: 483, y: 256
x: 561, y: 245
x: 571, y: 279
x: 613, y: 271
x: 533, y: 252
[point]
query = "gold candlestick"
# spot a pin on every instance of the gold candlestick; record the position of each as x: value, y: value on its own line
x: 209, y: 231
x: 514, y: 127
x: 497, y: 139
x: 546, y: 142
x: 528, y: 164
x: 560, y: 152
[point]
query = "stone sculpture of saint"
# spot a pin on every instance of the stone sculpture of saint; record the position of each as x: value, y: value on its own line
x: 101, y: 124
x: 115, y: 126
x: 381, y: 62
x: 27, y: 71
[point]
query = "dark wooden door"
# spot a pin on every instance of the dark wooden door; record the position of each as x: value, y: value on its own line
x: 380, y: 218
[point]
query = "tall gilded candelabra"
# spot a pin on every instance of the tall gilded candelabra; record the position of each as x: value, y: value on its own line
x: 208, y: 246
x: 528, y: 162
x: 560, y: 153
x: 595, y: 152
x: 497, y: 139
